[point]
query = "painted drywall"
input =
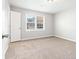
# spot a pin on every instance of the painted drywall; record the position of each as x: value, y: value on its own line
x: 64, y: 24
x: 5, y: 26
x: 35, y: 34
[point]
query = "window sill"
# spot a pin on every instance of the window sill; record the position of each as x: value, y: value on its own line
x: 35, y: 30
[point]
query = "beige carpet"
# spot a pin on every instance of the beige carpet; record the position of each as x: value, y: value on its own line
x: 46, y: 48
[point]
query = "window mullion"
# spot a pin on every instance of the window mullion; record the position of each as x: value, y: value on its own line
x: 35, y: 23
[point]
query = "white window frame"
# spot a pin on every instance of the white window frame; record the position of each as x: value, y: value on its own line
x: 36, y: 29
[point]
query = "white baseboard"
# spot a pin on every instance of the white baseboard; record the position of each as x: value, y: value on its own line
x: 65, y: 38
x: 37, y: 37
x: 47, y: 37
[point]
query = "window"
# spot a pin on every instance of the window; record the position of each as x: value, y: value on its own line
x: 30, y: 22
x: 35, y: 23
x: 39, y: 22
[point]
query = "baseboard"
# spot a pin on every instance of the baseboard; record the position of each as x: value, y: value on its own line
x: 40, y: 37
x: 33, y: 38
x: 65, y: 38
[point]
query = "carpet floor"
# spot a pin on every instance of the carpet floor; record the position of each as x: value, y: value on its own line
x: 44, y: 48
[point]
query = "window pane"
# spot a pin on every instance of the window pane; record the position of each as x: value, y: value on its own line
x: 39, y: 26
x: 30, y: 19
x: 39, y: 22
x: 30, y: 26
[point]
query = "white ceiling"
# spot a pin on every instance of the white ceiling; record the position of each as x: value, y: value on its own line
x: 43, y: 5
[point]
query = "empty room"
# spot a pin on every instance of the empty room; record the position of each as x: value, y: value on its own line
x: 39, y: 29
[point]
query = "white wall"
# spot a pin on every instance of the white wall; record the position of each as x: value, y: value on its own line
x: 64, y: 24
x: 61, y: 24
x: 5, y: 26
x: 36, y: 34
